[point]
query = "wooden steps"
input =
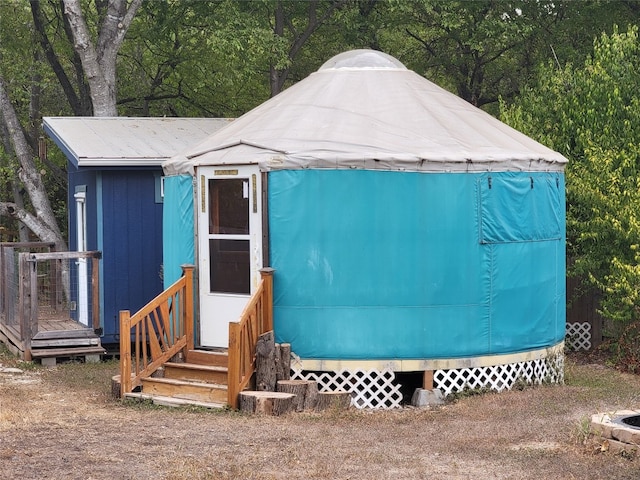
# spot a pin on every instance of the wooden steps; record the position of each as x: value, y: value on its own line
x: 50, y: 345
x: 201, y: 380
x: 172, y: 401
x: 65, y: 334
x: 218, y: 358
x: 67, y: 351
x: 194, y: 372
x: 184, y: 390
x: 65, y: 342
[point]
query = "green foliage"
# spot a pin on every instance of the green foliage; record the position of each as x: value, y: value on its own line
x: 462, y: 45
x: 626, y: 349
x: 216, y: 58
x: 195, y: 58
x: 591, y: 114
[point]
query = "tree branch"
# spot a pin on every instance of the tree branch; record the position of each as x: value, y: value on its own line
x: 52, y: 58
x: 28, y: 173
x: 41, y: 229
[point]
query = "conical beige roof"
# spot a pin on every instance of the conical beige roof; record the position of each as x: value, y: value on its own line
x: 364, y: 109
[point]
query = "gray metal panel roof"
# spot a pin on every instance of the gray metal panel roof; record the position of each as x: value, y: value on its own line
x: 127, y: 141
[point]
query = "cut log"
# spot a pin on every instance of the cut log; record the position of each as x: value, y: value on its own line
x: 266, y: 363
x: 306, y: 392
x: 267, y: 403
x: 283, y: 361
x: 333, y: 400
x: 116, y: 386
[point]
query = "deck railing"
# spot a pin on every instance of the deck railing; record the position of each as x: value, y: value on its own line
x: 158, y: 331
x: 256, y: 319
x: 43, y: 289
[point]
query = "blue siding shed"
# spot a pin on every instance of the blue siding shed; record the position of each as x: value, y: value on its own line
x: 117, y: 163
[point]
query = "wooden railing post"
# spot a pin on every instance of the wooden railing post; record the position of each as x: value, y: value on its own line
x: 95, y: 292
x: 233, y: 370
x: 189, y: 319
x: 267, y: 304
x: 33, y: 298
x: 25, y: 303
x: 125, y: 352
x: 11, y: 293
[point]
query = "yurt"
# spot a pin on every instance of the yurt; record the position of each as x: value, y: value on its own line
x: 412, y: 235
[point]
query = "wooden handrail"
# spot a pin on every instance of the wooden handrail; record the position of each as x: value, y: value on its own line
x: 256, y: 319
x: 158, y: 331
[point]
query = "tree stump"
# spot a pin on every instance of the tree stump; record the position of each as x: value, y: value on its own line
x: 116, y: 386
x: 283, y: 361
x: 267, y: 403
x: 306, y: 392
x: 266, y: 363
x: 333, y: 400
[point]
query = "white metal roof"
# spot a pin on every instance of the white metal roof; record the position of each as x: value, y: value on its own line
x: 126, y: 141
x: 364, y: 109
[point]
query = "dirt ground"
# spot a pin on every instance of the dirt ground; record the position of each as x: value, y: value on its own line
x: 61, y: 423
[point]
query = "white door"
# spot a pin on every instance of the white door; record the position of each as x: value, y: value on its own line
x: 229, y: 246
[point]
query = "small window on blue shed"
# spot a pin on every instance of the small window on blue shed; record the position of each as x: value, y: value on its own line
x: 159, y: 190
x: 519, y: 207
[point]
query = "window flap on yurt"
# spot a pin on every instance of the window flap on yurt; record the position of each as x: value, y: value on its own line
x: 519, y: 208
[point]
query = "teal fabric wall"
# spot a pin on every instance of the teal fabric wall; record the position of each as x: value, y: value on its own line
x: 178, y: 232
x: 379, y: 264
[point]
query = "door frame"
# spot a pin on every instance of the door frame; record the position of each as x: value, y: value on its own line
x: 215, y: 309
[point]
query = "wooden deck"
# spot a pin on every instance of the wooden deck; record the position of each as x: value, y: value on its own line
x: 56, y: 338
x: 36, y: 311
x: 59, y: 324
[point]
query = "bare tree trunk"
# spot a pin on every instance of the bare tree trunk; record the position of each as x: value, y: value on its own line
x: 278, y: 77
x: 43, y: 223
x: 99, y: 61
x: 18, y: 198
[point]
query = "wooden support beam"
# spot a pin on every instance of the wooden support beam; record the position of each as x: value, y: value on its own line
x: 267, y: 302
x: 125, y: 351
x: 24, y: 304
x: 233, y: 385
x: 188, y: 307
x: 427, y: 380
x: 95, y: 292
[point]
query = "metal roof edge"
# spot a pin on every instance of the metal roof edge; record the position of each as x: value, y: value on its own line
x: 121, y: 162
x: 59, y: 141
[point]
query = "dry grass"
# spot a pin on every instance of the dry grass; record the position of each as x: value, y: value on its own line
x: 62, y: 424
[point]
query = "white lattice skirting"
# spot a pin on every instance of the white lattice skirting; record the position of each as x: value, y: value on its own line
x: 501, y: 377
x: 378, y: 388
x: 578, y: 336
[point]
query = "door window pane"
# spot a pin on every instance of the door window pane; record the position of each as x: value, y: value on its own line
x: 229, y: 266
x: 229, y: 206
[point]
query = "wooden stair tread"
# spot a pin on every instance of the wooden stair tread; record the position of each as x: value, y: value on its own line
x: 208, y: 357
x: 198, y: 391
x: 196, y: 366
x: 64, y: 334
x: 166, y: 401
x: 65, y: 352
x: 183, y: 383
x: 65, y: 342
